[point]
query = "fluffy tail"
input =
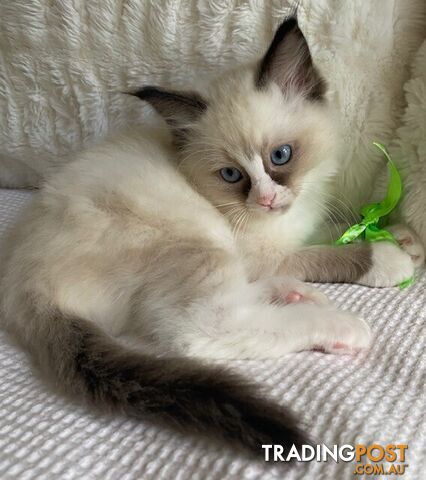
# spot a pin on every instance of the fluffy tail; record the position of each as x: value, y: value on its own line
x: 182, y: 392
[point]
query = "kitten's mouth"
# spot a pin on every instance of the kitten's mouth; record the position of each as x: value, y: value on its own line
x: 272, y: 210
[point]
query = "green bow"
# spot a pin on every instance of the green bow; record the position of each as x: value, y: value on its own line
x: 368, y: 229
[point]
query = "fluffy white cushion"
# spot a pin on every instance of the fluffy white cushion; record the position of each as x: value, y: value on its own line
x: 409, y: 148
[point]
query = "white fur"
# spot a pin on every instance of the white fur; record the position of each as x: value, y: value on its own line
x: 100, y: 249
x: 391, y: 266
x: 410, y: 243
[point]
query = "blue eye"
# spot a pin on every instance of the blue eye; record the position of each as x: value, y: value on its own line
x: 281, y: 155
x: 231, y: 174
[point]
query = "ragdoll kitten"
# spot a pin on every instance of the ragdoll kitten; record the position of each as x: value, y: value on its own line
x: 158, y: 246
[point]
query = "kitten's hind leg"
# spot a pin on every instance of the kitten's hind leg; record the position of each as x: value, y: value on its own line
x: 266, y: 331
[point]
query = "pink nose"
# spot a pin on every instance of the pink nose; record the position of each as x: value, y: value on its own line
x: 266, y: 200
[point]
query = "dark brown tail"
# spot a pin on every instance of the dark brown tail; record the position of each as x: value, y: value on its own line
x: 181, y: 392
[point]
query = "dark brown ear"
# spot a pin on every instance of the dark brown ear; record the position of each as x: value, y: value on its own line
x: 179, y: 109
x: 288, y: 63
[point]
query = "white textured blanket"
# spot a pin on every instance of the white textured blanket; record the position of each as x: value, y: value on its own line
x: 375, y: 397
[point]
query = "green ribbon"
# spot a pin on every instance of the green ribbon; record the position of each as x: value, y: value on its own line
x: 368, y: 229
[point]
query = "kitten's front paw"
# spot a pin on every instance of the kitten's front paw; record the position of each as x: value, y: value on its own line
x: 409, y: 242
x: 290, y: 290
x: 347, y: 334
x: 390, y: 265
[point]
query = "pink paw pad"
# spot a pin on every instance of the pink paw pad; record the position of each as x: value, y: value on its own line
x: 293, y: 297
x: 345, y: 348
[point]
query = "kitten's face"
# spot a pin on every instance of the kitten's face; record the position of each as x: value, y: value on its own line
x: 261, y: 137
x: 257, y: 150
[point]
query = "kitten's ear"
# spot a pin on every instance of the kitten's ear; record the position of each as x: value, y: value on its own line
x: 179, y: 109
x: 288, y: 63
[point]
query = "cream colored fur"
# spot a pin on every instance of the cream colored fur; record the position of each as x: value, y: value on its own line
x: 105, y: 245
x: 135, y: 235
x: 235, y: 129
